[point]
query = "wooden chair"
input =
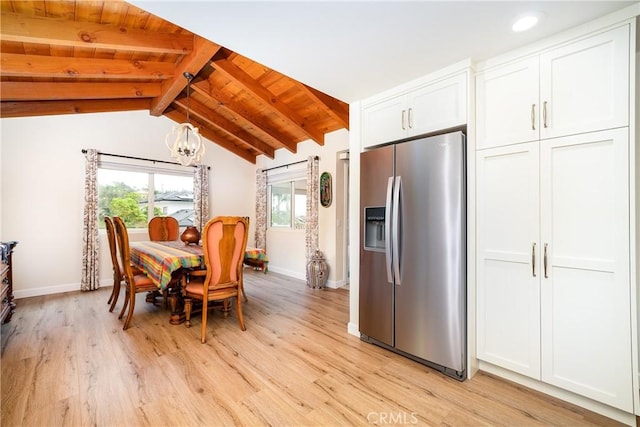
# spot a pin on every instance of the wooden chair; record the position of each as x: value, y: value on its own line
x: 224, y: 241
x: 134, y: 283
x: 163, y: 228
x: 115, y: 262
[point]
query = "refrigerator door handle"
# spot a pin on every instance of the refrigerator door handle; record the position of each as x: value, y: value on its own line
x: 387, y: 229
x: 396, y: 230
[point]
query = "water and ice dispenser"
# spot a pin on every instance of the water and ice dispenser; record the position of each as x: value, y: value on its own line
x: 374, y: 232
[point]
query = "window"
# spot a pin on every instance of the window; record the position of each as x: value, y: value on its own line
x: 288, y: 204
x: 137, y: 194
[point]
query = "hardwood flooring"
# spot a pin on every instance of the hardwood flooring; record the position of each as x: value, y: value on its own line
x: 67, y: 362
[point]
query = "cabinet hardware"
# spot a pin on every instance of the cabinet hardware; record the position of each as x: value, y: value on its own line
x: 533, y: 116
x: 404, y: 127
x: 410, y: 121
x: 533, y: 259
x: 545, y: 261
x: 544, y: 113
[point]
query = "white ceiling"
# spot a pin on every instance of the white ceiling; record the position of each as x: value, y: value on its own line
x: 354, y: 49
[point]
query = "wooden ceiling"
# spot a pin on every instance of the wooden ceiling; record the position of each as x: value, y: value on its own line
x: 79, y: 56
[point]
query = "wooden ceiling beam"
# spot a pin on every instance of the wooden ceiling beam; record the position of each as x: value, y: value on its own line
x: 38, y: 66
x: 226, y: 101
x: 216, y: 137
x: 211, y: 119
x: 35, y: 91
x: 202, y: 52
x: 338, y: 110
x: 50, y: 108
x: 237, y: 75
x: 34, y: 29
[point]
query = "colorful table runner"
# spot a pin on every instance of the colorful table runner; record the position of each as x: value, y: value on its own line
x: 160, y: 259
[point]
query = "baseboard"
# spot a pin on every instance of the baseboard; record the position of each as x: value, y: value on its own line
x: 353, y: 329
x: 50, y: 290
x: 290, y: 273
x: 584, y: 402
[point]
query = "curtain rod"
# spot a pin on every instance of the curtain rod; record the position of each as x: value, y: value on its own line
x: 290, y: 164
x: 84, y: 151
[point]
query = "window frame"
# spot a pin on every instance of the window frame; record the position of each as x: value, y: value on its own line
x: 151, y: 171
x: 290, y: 177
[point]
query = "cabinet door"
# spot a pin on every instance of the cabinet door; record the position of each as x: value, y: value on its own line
x: 585, y: 85
x: 585, y: 290
x: 385, y: 121
x: 438, y: 106
x: 507, y: 109
x: 508, y: 318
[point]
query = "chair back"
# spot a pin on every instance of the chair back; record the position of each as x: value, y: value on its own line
x: 224, y: 241
x: 163, y: 228
x: 123, y: 245
x: 111, y: 236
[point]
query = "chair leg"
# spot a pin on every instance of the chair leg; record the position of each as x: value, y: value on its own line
x: 205, y: 309
x: 187, y: 312
x: 225, y: 308
x: 115, y: 293
x: 244, y: 296
x: 239, y: 309
x: 132, y: 304
x: 124, y: 306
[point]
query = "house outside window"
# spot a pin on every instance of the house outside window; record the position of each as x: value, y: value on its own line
x: 137, y: 194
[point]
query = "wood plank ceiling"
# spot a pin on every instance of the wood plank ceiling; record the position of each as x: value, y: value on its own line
x: 78, y: 56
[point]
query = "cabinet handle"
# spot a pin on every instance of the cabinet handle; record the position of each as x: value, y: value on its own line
x: 545, y: 261
x: 410, y: 118
x: 403, y: 121
x: 544, y: 113
x: 533, y: 259
x: 533, y: 116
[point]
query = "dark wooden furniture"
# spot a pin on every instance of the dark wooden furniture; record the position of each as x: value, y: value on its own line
x: 163, y: 228
x: 7, y: 306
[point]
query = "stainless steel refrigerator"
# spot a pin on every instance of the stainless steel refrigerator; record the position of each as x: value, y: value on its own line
x: 413, y: 250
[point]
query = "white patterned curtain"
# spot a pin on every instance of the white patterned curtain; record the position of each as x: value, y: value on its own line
x: 90, y: 269
x: 261, y: 210
x: 311, y: 229
x: 201, y: 196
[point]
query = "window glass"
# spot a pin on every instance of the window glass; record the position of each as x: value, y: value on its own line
x: 136, y: 197
x: 288, y: 204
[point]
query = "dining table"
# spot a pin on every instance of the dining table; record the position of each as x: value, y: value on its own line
x: 167, y: 263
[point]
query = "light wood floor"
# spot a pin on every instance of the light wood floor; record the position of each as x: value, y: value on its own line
x: 67, y: 362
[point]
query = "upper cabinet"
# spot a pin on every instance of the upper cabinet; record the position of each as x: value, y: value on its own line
x: 579, y: 87
x: 427, y: 107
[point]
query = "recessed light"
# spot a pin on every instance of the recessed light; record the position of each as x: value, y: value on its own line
x: 525, y: 22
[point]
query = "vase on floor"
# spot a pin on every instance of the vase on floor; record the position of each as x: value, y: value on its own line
x: 317, y: 271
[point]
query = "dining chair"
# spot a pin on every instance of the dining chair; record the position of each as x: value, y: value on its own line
x: 117, y: 273
x: 224, y: 241
x: 134, y: 283
x: 163, y: 228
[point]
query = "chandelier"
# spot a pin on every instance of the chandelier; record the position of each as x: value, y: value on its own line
x: 187, y: 147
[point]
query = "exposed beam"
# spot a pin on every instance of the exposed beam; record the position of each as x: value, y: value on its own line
x: 225, y: 100
x: 237, y: 75
x: 335, y: 108
x: 211, y: 119
x: 33, y: 29
x: 49, y: 108
x: 15, y: 65
x: 35, y: 91
x: 202, y: 52
x: 218, y: 138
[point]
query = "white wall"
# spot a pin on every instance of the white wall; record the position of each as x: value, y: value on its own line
x: 42, y: 187
x: 286, y: 248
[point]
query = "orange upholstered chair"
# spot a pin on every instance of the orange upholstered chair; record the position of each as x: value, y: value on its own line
x: 134, y: 283
x: 224, y: 241
x: 163, y: 228
x: 117, y: 270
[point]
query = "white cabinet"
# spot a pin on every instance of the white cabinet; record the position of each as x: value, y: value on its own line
x: 508, y: 286
x: 553, y: 263
x: 580, y: 87
x: 426, y: 108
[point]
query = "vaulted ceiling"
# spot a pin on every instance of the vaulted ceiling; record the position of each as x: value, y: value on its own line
x: 77, y: 56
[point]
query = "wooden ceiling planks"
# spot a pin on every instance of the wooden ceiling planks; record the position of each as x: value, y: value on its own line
x: 78, y: 56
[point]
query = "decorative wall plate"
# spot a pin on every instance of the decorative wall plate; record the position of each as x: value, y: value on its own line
x: 325, y: 189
